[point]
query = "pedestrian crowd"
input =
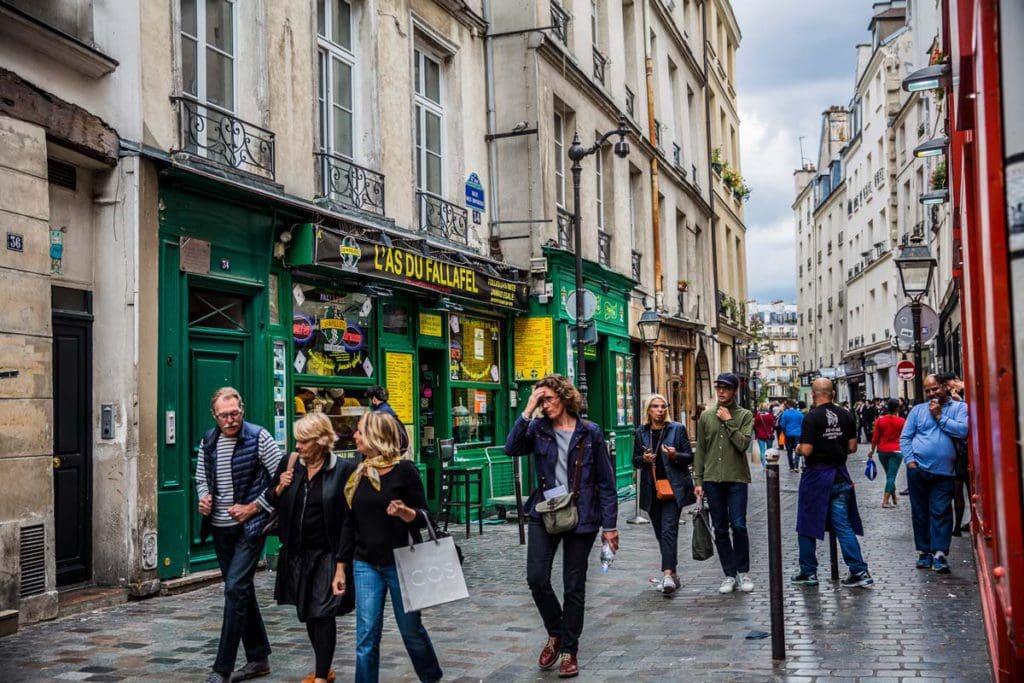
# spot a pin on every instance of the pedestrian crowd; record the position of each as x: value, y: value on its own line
x: 341, y: 522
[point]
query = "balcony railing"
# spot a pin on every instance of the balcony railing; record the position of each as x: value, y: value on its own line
x: 224, y: 139
x: 442, y: 218
x: 600, y: 62
x: 560, y: 23
x: 637, y: 260
x: 604, y: 248
x: 565, y: 229
x: 677, y: 155
x: 879, y: 177
x: 630, y: 103
x: 350, y: 184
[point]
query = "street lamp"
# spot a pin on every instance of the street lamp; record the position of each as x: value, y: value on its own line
x: 932, y: 148
x: 916, y: 265
x: 869, y: 370
x: 929, y: 78
x: 753, y: 363
x: 577, y: 152
x: 650, y: 329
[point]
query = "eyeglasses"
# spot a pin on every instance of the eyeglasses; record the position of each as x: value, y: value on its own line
x: 548, y: 399
x: 232, y: 415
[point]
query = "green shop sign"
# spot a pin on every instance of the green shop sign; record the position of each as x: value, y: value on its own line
x: 608, y: 310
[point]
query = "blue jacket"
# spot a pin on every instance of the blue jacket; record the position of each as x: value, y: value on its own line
x: 678, y: 470
x: 249, y: 478
x: 929, y: 442
x: 597, y: 504
x: 790, y: 421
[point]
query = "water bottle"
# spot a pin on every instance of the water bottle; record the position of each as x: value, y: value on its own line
x: 607, y: 557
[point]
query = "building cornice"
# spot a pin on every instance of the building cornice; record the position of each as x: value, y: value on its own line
x: 696, y: 68
x: 464, y: 14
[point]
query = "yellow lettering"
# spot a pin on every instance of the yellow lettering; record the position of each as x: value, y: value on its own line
x: 376, y: 258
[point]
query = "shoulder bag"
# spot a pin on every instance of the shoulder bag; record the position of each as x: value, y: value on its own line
x: 429, y: 573
x: 662, y: 487
x: 559, y: 514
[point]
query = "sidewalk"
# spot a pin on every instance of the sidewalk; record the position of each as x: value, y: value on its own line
x: 912, y: 625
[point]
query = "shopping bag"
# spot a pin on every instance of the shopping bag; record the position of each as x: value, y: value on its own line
x: 703, y: 544
x: 429, y: 573
x: 871, y: 470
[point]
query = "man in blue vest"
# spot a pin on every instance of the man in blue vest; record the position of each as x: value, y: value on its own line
x: 236, y: 467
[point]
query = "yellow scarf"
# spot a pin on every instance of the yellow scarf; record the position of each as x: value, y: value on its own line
x: 368, y: 468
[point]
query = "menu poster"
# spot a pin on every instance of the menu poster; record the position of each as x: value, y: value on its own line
x: 430, y: 325
x: 535, y: 346
x: 401, y: 394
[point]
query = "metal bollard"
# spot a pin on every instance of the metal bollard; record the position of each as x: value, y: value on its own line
x: 833, y: 555
x: 638, y: 517
x: 775, y: 555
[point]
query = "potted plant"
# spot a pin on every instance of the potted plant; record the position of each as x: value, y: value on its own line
x: 920, y: 130
x: 716, y: 160
x: 683, y: 285
x: 939, y: 178
x: 731, y: 178
x: 743, y: 192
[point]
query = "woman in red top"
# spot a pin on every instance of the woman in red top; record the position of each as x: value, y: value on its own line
x: 886, y: 440
x: 764, y: 430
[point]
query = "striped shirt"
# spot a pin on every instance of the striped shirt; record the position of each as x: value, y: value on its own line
x: 270, y: 456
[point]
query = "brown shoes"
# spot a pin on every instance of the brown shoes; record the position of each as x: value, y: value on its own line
x: 569, y: 667
x: 312, y: 677
x: 549, y: 655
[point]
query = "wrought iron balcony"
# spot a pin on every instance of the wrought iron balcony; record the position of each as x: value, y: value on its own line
x: 630, y: 103
x: 560, y: 23
x: 637, y: 260
x: 350, y: 184
x: 677, y: 156
x: 565, y: 229
x: 441, y: 218
x: 604, y: 248
x: 600, y: 62
x: 224, y: 139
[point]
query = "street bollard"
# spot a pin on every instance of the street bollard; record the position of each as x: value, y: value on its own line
x: 638, y: 517
x: 775, y: 555
x: 833, y: 555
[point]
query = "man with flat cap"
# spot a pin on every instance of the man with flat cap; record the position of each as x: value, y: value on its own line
x: 721, y: 471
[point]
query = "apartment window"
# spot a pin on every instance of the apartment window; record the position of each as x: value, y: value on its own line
x: 429, y: 118
x: 208, y: 51
x: 559, y: 136
x: 336, y: 64
x: 599, y: 185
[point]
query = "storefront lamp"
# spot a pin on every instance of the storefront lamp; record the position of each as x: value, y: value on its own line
x: 928, y: 78
x: 753, y: 358
x: 916, y: 265
x: 932, y: 148
x: 935, y: 197
x: 650, y: 327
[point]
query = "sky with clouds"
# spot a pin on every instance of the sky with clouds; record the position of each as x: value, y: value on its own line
x: 796, y: 58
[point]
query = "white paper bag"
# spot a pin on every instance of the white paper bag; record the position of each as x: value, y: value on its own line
x: 429, y: 573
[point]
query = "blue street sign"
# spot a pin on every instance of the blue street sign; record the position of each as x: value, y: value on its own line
x: 474, y: 193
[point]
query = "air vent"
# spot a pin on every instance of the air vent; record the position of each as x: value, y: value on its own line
x: 33, y: 560
x: 62, y: 174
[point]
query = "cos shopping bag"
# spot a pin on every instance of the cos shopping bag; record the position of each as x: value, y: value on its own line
x: 703, y: 543
x: 429, y: 573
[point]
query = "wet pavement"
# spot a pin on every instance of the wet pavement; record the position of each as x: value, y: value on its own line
x: 911, y: 625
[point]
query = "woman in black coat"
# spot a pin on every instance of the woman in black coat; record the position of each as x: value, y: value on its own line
x: 310, y: 502
x: 661, y: 450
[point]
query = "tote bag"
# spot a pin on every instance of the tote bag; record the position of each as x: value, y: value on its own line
x: 429, y: 573
x: 703, y: 544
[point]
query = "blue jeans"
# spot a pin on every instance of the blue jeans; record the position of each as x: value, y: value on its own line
x: 237, y: 557
x: 665, y: 523
x: 791, y: 455
x: 727, y: 503
x: 839, y: 516
x: 373, y: 582
x: 764, y: 445
x: 931, y: 510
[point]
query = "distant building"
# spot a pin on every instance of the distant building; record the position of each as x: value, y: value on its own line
x: 775, y: 328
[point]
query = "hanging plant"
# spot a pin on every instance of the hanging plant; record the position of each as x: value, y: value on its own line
x: 683, y: 285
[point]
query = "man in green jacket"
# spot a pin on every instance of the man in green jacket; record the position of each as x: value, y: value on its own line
x: 721, y: 471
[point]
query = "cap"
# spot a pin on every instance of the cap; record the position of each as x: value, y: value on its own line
x: 728, y: 379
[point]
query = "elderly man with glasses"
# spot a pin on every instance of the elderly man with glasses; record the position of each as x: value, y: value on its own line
x: 234, y: 471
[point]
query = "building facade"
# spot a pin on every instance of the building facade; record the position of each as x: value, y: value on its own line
x: 777, y: 358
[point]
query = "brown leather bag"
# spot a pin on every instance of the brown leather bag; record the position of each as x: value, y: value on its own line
x: 662, y: 487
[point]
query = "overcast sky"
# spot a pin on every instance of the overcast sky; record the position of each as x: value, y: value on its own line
x: 796, y: 58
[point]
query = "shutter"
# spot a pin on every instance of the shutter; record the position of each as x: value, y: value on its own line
x: 33, y: 560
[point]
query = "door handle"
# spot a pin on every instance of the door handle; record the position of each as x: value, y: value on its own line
x: 56, y: 462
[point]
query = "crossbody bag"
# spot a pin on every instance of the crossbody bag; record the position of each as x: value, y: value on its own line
x: 560, y: 514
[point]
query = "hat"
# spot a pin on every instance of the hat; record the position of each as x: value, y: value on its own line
x: 728, y: 379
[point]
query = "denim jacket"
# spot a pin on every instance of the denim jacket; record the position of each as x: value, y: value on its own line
x: 597, y: 504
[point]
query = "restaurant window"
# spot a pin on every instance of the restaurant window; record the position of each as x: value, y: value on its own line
x: 396, y: 318
x: 344, y: 406
x: 623, y: 389
x: 475, y: 373
x: 332, y: 333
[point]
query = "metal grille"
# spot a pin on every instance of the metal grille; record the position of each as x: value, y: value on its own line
x: 565, y: 229
x: 62, y: 174
x: 604, y: 248
x: 33, y: 560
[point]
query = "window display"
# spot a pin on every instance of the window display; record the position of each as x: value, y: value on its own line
x: 623, y: 389
x: 331, y: 332
x: 474, y: 349
x: 473, y: 413
x: 343, y: 406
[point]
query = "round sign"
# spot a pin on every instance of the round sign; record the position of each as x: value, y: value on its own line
x: 903, y: 324
x: 589, y: 305
x: 905, y: 370
x: 302, y: 328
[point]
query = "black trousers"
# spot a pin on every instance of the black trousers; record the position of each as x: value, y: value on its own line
x: 237, y: 557
x: 323, y: 636
x: 564, y: 622
x: 665, y: 523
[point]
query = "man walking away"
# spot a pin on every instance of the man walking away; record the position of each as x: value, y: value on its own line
x: 789, y: 422
x: 234, y: 471
x: 929, y: 451
x: 826, y: 500
x: 721, y: 469
x: 379, y: 400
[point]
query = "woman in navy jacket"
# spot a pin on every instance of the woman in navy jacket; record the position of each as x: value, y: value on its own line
x: 662, y: 448
x: 558, y: 441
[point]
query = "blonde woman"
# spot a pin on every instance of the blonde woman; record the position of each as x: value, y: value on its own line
x: 661, y: 450
x: 309, y: 497
x: 385, y: 498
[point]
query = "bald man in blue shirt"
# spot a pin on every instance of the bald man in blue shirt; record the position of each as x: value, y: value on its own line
x: 929, y: 451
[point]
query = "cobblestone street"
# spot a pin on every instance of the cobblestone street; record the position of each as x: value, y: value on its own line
x: 912, y: 625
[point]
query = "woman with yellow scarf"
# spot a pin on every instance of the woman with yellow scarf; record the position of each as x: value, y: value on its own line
x: 386, y: 500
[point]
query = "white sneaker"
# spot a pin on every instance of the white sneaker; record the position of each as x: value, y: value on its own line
x: 746, y: 583
x: 728, y: 585
x: 668, y: 585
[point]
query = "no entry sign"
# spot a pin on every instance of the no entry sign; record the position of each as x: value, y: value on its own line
x: 905, y: 370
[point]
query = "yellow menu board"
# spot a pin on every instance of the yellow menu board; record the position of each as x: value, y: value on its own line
x: 430, y: 325
x: 534, y: 347
x: 398, y: 367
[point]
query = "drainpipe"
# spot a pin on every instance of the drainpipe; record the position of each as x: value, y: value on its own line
x: 492, y: 147
x: 711, y: 173
x: 659, y: 296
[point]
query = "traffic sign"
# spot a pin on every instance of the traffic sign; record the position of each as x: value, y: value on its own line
x: 903, y: 323
x: 905, y: 370
x: 589, y: 305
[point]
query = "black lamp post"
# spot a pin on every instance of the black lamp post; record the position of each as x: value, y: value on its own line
x: 753, y: 364
x: 869, y: 381
x: 916, y: 265
x: 577, y: 152
x: 650, y: 329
